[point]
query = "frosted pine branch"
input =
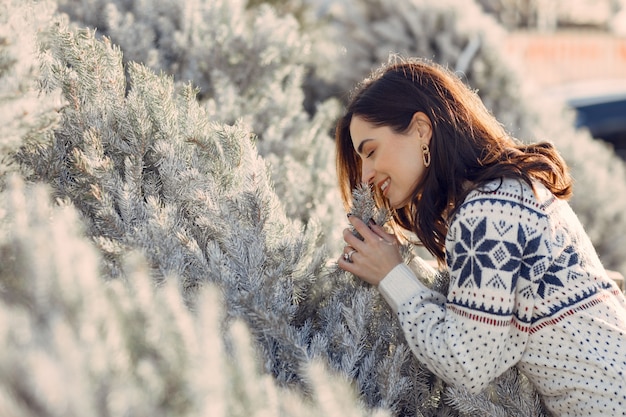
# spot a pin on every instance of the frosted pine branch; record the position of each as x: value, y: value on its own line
x: 364, y: 207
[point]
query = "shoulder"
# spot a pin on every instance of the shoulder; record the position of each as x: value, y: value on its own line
x: 507, y: 194
x: 508, y: 210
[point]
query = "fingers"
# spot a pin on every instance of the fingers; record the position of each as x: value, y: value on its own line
x: 351, y: 239
x: 371, y: 231
x: 363, y: 229
x: 372, y: 258
x: 382, y: 233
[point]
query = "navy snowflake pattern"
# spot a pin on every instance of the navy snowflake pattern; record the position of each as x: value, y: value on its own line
x: 552, y: 281
x: 475, y: 253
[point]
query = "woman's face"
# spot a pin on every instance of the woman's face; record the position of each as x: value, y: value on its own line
x: 390, y: 161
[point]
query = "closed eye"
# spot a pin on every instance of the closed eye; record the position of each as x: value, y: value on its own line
x: 369, y: 154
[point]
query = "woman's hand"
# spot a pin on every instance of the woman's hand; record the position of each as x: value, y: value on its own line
x: 372, y: 258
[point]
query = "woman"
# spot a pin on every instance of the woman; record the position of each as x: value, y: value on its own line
x: 527, y: 288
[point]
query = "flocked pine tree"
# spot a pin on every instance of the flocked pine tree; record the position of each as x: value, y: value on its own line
x: 248, y: 64
x: 458, y: 34
x: 76, y: 345
x: 149, y: 173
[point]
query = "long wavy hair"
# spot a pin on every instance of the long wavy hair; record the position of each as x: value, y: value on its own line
x: 468, y: 146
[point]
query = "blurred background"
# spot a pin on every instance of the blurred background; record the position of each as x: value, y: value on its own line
x: 572, y: 50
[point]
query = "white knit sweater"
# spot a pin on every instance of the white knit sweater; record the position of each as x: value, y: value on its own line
x: 526, y: 289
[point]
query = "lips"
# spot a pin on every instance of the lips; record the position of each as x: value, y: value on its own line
x: 384, y: 185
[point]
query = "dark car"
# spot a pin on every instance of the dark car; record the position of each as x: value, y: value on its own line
x: 605, y: 117
x: 600, y: 107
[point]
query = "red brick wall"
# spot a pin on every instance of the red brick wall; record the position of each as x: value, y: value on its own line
x: 563, y: 57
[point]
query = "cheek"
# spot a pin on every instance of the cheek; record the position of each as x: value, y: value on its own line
x: 413, y: 178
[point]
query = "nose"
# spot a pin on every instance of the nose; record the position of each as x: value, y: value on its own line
x: 367, y: 173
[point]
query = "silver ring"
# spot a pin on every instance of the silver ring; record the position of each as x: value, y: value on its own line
x: 348, y: 256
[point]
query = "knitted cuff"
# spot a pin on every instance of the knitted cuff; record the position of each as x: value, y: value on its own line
x: 399, y: 286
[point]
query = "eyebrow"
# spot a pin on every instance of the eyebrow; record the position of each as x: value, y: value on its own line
x: 360, y: 148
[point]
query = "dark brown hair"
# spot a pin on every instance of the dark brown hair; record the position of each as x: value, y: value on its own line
x: 468, y: 145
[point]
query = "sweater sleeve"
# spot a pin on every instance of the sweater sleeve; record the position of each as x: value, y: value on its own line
x: 473, y: 335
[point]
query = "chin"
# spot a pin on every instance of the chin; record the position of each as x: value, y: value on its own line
x: 396, y: 205
x: 399, y: 205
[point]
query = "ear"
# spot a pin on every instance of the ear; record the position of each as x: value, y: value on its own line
x: 422, y: 125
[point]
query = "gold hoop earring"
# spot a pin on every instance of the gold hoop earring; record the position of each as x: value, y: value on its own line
x: 426, y: 155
